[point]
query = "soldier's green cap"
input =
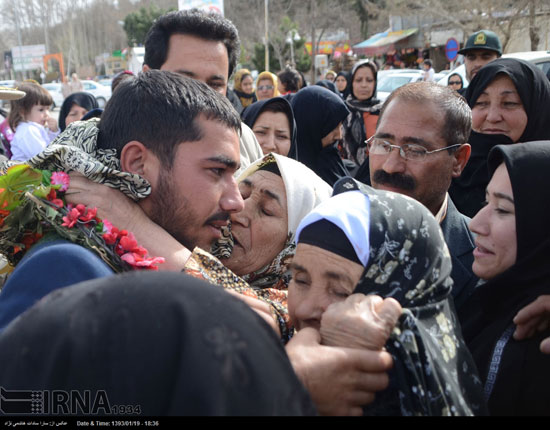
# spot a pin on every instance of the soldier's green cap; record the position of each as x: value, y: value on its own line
x: 483, y: 39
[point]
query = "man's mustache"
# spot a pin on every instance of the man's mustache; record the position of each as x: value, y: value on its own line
x: 395, y: 180
x: 220, y: 216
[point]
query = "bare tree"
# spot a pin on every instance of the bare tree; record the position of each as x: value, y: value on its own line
x: 502, y: 16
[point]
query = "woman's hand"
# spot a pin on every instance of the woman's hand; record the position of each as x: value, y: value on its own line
x: 340, y: 380
x: 51, y: 123
x: 360, y: 321
x: 111, y: 204
x: 534, y: 318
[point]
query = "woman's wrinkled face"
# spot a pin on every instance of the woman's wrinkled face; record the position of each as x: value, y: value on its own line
x: 260, y: 230
x: 265, y: 89
x: 363, y: 83
x: 499, y: 110
x: 495, y: 227
x: 319, y: 278
x: 247, y: 84
x: 75, y: 114
x: 272, y: 130
x: 341, y: 83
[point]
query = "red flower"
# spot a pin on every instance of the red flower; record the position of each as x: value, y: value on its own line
x: 139, y: 262
x: 71, y: 218
x: 89, y: 215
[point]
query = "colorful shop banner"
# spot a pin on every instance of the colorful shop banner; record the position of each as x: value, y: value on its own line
x: 206, y: 5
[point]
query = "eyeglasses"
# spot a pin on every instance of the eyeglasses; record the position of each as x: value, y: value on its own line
x: 455, y: 83
x: 266, y: 87
x: 410, y: 152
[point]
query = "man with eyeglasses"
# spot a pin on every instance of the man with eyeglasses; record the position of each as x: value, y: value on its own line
x: 419, y: 146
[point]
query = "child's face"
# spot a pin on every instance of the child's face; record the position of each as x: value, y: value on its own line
x: 38, y: 114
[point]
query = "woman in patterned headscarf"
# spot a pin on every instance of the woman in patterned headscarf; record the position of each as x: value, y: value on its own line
x: 244, y: 87
x: 392, y: 247
x: 267, y: 85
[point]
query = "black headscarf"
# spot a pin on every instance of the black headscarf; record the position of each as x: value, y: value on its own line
x: 352, y: 101
x: 172, y: 344
x: 318, y: 111
x: 354, y: 127
x: 405, y: 256
x: 468, y: 191
x: 84, y: 100
x: 347, y: 91
x: 533, y: 89
x: 459, y: 77
x: 329, y: 85
x: 494, y: 304
x: 252, y: 112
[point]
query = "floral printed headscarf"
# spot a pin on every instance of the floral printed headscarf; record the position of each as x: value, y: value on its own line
x: 407, y: 258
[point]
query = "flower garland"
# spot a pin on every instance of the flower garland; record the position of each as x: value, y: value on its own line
x: 32, y: 205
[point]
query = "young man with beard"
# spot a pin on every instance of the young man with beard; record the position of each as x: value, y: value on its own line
x: 182, y: 138
x: 174, y: 132
x: 419, y: 146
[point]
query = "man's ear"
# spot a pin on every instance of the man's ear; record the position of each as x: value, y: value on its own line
x: 145, y: 68
x: 136, y: 158
x: 461, y: 157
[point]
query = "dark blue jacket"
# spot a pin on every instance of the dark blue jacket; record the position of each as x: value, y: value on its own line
x: 48, y: 266
x: 460, y: 242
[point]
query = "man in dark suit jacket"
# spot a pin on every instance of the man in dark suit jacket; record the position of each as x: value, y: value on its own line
x: 420, y: 144
x: 460, y: 241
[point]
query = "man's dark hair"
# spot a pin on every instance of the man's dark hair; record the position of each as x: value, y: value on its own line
x: 208, y: 26
x: 458, y: 115
x: 428, y: 62
x: 291, y: 79
x: 159, y: 109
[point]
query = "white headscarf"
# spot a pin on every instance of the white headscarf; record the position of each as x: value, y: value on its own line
x: 304, y: 189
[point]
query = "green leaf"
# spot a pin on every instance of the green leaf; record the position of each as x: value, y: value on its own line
x: 42, y: 191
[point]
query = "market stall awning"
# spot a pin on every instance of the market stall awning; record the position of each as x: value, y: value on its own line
x: 382, y: 42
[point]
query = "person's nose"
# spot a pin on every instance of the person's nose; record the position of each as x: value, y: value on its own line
x: 269, y: 143
x: 310, y: 309
x: 479, y: 225
x: 231, y: 200
x: 242, y: 217
x: 493, y: 113
x: 394, y: 163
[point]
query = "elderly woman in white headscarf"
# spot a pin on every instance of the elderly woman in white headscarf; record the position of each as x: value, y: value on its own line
x: 252, y: 257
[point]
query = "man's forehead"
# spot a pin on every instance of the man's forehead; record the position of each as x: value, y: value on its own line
x: 412, y: 122
x: 482, y: 52
x: 195, y: 55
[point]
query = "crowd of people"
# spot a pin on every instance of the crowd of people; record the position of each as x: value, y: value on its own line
x: 319, y: 252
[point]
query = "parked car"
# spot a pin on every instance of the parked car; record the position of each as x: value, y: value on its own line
x: 391, y: 81
x: 540, y: 58
x: 107, y: 82
x: 102, y: 93
x: 55, y: 91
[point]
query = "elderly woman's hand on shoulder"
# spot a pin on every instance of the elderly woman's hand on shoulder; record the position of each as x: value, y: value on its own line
x: 360, y: 321
x: 532, y: 319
